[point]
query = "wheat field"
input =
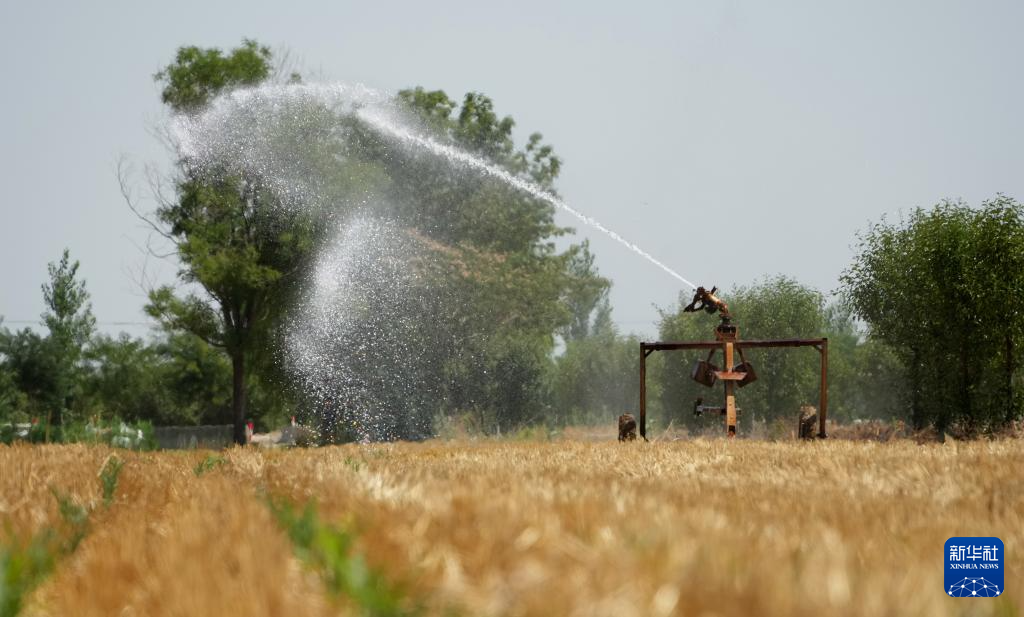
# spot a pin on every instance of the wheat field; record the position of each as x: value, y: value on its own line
x: 698, y: 527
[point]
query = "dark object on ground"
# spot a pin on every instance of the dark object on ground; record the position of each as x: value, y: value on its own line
x: 627, y: 427
x: 808, y: 418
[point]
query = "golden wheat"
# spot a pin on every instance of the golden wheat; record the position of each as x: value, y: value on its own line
x: 702, y: 527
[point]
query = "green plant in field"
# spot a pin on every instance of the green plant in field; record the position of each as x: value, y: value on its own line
x: 329, y: 550
x: 75, y: 518
x: 211, y: 462
x: 108, y: 478
x: 22, y: 567
x: 534, y: 432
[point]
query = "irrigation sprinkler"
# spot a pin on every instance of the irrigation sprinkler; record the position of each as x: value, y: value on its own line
x: 734, y: 374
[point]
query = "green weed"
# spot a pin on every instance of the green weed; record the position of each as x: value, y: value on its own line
x: 108, y: 478
x: 211, y: 462
x: 329, y: 550
x: 23, y: 565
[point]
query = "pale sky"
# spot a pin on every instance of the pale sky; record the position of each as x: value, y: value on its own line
x: 731, y: 140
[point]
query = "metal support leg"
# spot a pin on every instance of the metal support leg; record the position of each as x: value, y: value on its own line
x: 643, y: 392
x: 730, y: 396
x: 823, y: 395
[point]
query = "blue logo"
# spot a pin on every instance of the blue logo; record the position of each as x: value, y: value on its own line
x: 974, y: 567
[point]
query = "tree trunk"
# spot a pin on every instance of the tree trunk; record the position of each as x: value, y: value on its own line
x: 917, y: 419
x: 966, y: 408
x: 238, y: 402
x: 1011, y: 410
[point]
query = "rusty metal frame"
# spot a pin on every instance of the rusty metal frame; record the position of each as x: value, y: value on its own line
x: 821, y: 344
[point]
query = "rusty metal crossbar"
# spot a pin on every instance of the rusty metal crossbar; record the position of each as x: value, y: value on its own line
x: 820, y: 344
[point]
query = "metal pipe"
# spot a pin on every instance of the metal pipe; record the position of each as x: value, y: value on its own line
x: 730, y: 394
x: 643, y: 390
x: 745, y: 344
x: 823, y: 394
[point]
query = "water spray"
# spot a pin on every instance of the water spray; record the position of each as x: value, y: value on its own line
x: 359, y: 282
x: 404, y: 134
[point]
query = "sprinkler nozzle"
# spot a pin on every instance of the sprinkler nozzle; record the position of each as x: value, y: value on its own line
x: 708, y: 302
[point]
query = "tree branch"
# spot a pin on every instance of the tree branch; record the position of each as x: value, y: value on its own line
x: 123, y: 173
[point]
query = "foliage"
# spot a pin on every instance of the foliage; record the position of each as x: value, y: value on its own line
x: 40, y: 376
x: 109, y: 475
x: 177, y: 379
x: 13, y: 401
x: 586, y: 294
x: 493, y: 290
x: 231, y: 239
x: 941, y: 290
x: 866, y: 379
x: 123, y: 379
x: 68, y: 314
x: 68, y: 317
x: 113, y: 432
x: 595, y: 379
x: 197, y: 75
x: 211, y: 462
x: 329, y: 549
x: 22, y: 567
x: 30, y: 366
x: 24, y: 564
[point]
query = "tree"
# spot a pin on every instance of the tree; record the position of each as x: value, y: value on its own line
x: 123, y: 380
x: 232, y: 242
x: 175, y: 380
x: 866, y: 380
x: 30, y: 365
x: 942, y: 290
x: 12, y: 400
x: 198, y: 75
x: 595, y: 378
x: 489, y: 290
x: 507, y: 291
x: 586, y: 294
x: 465, y: 325
x: 68, y: 317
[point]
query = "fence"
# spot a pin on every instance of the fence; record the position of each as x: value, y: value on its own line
x: 193, y: 437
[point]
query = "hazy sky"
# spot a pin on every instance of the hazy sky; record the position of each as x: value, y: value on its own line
x: 729, y: 139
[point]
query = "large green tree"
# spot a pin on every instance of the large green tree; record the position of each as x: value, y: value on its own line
x: 942, y: 289
x: 508, y: 290
x: 490, y: 288
x: 233, y: 244
x: 484, y: 289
